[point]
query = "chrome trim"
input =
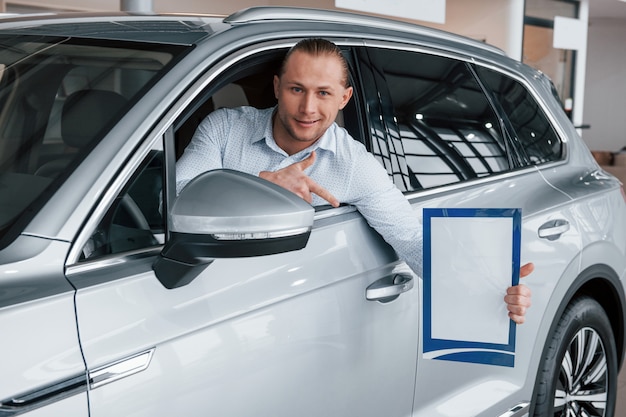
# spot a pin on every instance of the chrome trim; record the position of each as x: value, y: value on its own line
x: 120, y: 369
x: 231, y: 236
x: 49, y: 394
x: 520, y: 410
x: 477, y: 182
x: 332, y: 212
x: 112, y: 260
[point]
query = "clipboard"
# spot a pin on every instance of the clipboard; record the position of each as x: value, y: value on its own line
x: 470, y: 257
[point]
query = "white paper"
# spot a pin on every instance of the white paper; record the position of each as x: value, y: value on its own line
x: 471, y: 270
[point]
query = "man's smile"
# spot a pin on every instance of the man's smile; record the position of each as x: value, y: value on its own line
x: 307, y: 122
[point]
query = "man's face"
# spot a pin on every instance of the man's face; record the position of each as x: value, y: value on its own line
x: 310, y: 93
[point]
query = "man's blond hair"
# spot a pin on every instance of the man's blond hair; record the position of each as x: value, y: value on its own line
x: 317, y: 47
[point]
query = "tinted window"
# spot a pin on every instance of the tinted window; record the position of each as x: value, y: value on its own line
x: 533, y: 132
x: 442, y: 128
x: 58, y: 97
x: 134, y: 221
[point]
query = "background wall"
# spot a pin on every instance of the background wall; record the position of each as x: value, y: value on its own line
x: 605, y: 85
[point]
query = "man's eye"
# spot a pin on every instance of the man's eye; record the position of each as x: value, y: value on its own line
x: 324, y: 93
x: 296, y: 89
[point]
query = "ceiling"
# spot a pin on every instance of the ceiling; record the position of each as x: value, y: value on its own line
x: 607, y: 9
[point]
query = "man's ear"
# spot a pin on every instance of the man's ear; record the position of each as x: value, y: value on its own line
x: 347, y: 94
x: 276, y: 85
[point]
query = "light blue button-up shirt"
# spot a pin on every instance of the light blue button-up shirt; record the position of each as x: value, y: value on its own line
x: 242, y: 139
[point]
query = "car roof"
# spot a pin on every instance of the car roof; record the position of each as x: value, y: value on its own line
x: 161, y: 28
x: 193, y: 28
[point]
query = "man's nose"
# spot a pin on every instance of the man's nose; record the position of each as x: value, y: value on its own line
x: 308, y: 103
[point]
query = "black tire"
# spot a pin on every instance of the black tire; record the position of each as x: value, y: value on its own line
x: 578, y: 373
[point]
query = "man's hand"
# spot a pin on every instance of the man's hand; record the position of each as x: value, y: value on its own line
x: 295, y: 180
x: 518, y: 297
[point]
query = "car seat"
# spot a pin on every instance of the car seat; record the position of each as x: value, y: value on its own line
x: 84, y: 116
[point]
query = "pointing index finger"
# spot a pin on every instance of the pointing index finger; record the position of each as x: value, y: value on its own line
x: 323, y: 193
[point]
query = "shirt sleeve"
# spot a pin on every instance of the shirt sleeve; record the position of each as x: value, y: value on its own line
x: 388, y: 211
x: 204, y: 151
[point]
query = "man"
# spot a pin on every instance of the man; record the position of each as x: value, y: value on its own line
x: 298, y: 146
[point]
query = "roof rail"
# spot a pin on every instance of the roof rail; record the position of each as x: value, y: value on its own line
x: 274, y: 13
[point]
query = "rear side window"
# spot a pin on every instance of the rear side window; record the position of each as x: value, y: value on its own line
x: 533, y: 133
x: 441, y: 128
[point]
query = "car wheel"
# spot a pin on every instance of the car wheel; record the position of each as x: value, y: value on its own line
x: 578, y: 374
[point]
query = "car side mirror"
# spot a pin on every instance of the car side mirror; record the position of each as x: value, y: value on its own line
x: 229, y: 214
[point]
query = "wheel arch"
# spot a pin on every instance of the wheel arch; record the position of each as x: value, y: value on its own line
x: 602, y: 283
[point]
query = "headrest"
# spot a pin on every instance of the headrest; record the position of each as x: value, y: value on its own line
x: 229, y: 96
x: 86, y: 113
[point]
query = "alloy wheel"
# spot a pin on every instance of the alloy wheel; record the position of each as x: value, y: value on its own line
x: 582, y: 385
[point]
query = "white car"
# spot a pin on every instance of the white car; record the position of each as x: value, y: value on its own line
x: 119, y: 298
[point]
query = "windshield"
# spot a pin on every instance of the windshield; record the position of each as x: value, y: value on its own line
x: 58, y: 97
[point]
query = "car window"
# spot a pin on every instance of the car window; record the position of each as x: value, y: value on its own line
x: 533, y: 132
x: 58, y: 98
x: 441, y: 126
x: 134, y: 221
x: 250, y: 83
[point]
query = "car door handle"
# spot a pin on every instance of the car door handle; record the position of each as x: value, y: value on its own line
x: 553, y: 229
x: 389, y: 288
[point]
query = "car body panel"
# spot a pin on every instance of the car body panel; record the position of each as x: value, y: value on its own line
x: 300, y: 330
x: 40, y: 344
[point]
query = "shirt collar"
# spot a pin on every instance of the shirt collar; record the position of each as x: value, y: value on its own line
x: 266, y: 134
x: 327, y: 141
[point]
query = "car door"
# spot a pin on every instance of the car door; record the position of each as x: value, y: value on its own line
x: 447, y: 147
x: 43, y: 373
x: 292, y: 333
